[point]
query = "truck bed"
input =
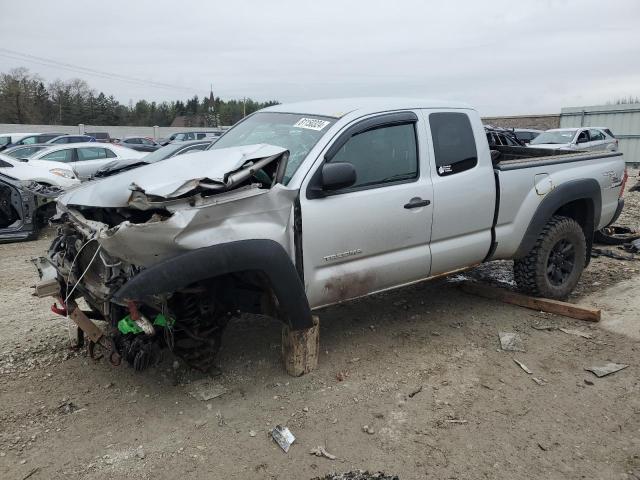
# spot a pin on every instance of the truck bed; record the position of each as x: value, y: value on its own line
x: 513, y: 158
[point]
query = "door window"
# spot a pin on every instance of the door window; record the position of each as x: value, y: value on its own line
x: 454, y: 145
x: 382, y: 155
x: 596, y: 135
x: 583, y: 137
x: 135, y: 141
x: 65, y: 156
x: 91, y: 153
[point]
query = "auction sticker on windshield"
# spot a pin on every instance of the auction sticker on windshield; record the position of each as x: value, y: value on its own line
x: 311, y: 124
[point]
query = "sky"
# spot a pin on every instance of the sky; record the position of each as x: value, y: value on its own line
x: 503, y: 57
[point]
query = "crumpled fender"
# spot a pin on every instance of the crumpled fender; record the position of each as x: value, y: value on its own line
x: 267, y: 256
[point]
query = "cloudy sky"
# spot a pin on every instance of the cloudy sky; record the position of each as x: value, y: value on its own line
x: 504, y: 57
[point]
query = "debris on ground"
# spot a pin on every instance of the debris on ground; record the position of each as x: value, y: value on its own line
x: 320, y: 451
x: 206, y: 389
x: 539, y: 381
x: 283, y: 437
x: 606, y: 369
x: 511, y: 342
x: 615, y: 235
x: 368, y: 429
x: 607, y: 252
x: 413, y: 393
x: 523, y: 366
x: 67, y: 407
x: 342, y: 376
x: 588, y: 382
x: 577, y: 333
x: 358, y: 475
x: 545, y: 327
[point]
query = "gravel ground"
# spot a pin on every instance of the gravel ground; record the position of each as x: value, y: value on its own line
x: 420, y: 367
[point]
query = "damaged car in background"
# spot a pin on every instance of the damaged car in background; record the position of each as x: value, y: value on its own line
x: 25, y: 207
x: 302, y: 206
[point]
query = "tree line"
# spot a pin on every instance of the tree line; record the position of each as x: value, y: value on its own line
x: 24, y: 98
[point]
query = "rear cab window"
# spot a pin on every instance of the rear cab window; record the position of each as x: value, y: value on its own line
x: 454, y: 144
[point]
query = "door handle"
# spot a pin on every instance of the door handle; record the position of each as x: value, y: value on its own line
x: 416, y: 202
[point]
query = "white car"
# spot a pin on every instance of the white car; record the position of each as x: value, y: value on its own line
x: 7, y: 139
x: 584, y: 138
x: 54, y: 174
x: 85, y: 159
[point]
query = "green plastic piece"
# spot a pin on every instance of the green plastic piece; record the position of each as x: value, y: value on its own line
x: 127, y: 325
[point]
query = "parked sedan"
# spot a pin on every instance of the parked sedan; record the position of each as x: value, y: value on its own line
x: 7, y: 139
x: 62, y: 139
x: 36, y: 138
x: 46, y: 173
x: 84, y: 158
x: 584, y: 138
x: 141, y: 144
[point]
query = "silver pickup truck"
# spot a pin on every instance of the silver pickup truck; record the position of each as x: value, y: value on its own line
x: 306, y: 205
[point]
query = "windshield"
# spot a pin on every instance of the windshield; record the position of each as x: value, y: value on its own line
x: 559, y: 136
x: 24, y: 152
x: 296, y: 132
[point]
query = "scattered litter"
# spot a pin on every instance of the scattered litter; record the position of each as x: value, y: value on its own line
x: 252, y: 433
x: 221, y: 422
x: 606, y: 252
x: 511, y: 342
x: 342, y: 376
x: 283, y: 437
x: 543, y: 447
x: 606, y: 369
x: 354, y: 360
x: 305, y: 409
x: 320, y: 451
x: 578, y: 333
x: 358, y: 475
x: 588, y: 382
x: 140, y: 453
x: 31, y: 473
x: 206, y: 389
x: 67, y: 407
x: 539, y: 381
x: 544, y: 327
x: 523, y: 366
x: 454, y: 420
x: 633, y: 247
x: 368, y: 429
x: 415, y: 392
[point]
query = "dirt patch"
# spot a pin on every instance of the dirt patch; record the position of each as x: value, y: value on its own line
x: 420, y: 367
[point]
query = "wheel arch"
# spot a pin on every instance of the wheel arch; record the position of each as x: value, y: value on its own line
x: 580, y: 200
x: 266, y: 258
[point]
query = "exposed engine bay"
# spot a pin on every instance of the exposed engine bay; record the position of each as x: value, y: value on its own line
x: 113, y: 230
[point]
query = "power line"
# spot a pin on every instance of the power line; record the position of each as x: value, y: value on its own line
x: 15, y: 55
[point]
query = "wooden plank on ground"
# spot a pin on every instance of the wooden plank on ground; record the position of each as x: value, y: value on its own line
x: 541, y: 304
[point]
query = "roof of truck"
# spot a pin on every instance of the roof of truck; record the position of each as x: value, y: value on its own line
x: 339, y: 107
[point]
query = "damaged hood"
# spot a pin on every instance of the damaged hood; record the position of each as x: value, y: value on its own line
x: 171, y: 178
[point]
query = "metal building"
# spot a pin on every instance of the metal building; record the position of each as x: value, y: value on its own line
x: 623, y: 120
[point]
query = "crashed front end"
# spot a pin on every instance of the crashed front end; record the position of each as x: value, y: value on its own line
x: 111, y: 231
x: 25, y: 207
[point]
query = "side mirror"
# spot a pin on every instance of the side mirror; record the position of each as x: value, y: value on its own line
x: 337, y: 175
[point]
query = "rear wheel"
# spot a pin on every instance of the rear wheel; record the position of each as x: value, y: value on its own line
x: 553, y: 267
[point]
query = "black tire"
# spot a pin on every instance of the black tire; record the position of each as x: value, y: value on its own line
x: 553, y: 267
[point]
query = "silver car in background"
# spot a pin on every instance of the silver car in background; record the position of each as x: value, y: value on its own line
x: 584, y: 138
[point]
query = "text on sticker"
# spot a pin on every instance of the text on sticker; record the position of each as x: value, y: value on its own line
x: 311, y: 123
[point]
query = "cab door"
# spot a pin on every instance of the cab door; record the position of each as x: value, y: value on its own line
x: 374, y: 234
x: 464, y: 189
